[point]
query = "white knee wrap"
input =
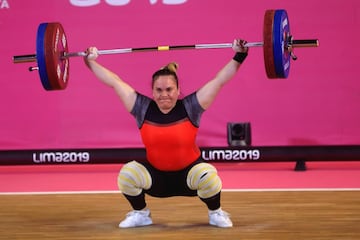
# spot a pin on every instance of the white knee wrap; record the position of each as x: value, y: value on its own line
x: 203, y: 177
x: 133, y: 177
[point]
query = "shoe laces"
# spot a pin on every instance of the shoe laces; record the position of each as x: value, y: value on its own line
x: 220, y: 213
x: 137, y: 213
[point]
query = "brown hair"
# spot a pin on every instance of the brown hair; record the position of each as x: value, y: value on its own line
x: 169, y: 69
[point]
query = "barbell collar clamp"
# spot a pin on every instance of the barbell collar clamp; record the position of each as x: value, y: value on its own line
x: 36, y: 68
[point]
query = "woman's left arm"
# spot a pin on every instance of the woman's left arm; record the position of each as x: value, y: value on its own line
x: 207, y: 93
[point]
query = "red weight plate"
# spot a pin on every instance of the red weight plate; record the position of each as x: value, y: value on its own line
x: 268, y: 44
x: 55, y: 46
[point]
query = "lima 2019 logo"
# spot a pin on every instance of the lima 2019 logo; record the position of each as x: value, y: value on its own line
x: 4, y: 4
x: 89, y: 3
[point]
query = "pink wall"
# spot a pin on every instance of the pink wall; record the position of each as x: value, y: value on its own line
x: 317, y: 104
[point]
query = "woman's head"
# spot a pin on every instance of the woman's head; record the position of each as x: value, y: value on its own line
x: 168, y: 70
x: 165, y: 87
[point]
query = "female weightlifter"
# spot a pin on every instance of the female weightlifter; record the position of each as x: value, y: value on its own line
x: 168, y: 127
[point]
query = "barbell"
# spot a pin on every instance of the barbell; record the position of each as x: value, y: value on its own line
x: 52, y: 54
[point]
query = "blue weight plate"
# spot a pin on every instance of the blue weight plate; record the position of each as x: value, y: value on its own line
x: 281, y: 31
x: 268, y: 44
x: 40, y: 56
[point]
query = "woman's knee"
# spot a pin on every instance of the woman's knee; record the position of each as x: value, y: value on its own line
x: 133, y: 178
x: 203, y: 177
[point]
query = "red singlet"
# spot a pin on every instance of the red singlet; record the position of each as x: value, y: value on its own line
x: 169, y: 138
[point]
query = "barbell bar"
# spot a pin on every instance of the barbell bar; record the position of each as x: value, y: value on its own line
x: 52, y: 54
x: 32, y: 57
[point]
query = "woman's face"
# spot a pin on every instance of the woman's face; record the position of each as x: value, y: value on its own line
x: 165, y: 93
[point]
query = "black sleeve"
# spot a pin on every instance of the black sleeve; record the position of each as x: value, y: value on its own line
x: 193, y: 109
x: 140, y: 107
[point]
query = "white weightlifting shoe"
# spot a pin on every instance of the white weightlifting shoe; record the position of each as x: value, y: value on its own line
x: 137, y: 218
x: 220, y: 218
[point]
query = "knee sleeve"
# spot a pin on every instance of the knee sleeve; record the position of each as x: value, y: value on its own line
x: 133, y: 178
x: 203, y: 177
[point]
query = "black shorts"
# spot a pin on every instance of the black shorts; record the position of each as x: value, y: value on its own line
x: 169, y: 184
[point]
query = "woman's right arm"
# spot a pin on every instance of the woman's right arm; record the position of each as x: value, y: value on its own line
x: 126, y: 93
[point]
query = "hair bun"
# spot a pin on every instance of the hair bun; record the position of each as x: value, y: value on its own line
x: 173, y: 66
